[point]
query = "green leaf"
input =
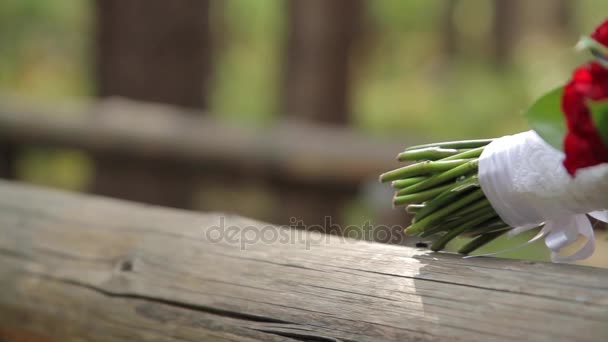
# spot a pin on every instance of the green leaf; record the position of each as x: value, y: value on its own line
x: 545, y: 116
x: 599, y: 113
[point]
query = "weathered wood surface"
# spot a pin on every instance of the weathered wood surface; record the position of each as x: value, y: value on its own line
x: 74, y: 267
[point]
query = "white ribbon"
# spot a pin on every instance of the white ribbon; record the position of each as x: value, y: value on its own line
x: 524, y: 180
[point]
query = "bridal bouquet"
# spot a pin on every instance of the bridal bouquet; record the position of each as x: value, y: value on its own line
x: 552, y: 176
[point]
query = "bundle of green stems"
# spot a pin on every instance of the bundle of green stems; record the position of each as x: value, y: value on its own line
x: 441, y: 190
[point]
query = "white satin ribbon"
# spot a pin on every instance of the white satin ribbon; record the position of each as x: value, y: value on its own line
x: 524, y: 180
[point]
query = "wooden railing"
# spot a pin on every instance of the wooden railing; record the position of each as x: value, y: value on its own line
x: 310, y: 167
x: 77, y: 267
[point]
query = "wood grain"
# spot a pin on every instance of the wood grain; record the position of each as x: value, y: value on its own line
x: 75, y: 267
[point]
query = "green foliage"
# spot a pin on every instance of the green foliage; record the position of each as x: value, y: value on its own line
x: 67, y: 169
x: 546, y: 118
x: 599, y: 112
x: 45, y: 47
x: 247, y: 71
x: 398, y: 15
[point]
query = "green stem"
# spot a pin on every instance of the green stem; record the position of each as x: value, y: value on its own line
x: 489, y: 227
x: 474, y: 207
x: 454, y: 144
x: 436, y: 203
x: 414, y: 208
x: 430, y: 153
x: 444, y: 176
x: 402, y: 197
x: 464, y: 187
x: 445, y: 226
x: 421, y: 168
x: 474, y: 153
x: 440, y: 243
x: 435, y: 191
x: 419, y: 226
x: 441, y: 227
x: 404, y: 183
x: 481, y: 241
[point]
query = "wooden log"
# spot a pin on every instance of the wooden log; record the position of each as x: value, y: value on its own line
x: 303, y: 154
x: 311, y: 159
x: 74, y: 267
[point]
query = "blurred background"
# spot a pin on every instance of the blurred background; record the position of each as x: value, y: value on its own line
x: 272, y: 109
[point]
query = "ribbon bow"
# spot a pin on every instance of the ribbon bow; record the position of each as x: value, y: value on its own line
x: 562, y: 232
x: 524, y: 180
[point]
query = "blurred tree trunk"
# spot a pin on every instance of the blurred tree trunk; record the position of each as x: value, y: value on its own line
x: 321, y: 35
x: 7, y: 161
x: 154, y: 50
x: 158, y: 51
x: 320, y: 38
x: 219, y: 27
x: 504, y: 31
x: 449, y: 33
x: 554, y: 19
x: 564, y: 17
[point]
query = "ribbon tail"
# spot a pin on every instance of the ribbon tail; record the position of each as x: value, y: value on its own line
x: 522, y: 229
x: 600, y: 215
x: 561, y: 234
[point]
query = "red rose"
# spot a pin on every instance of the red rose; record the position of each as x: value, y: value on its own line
x: 601, y: 33
x: 579, y: 153
x: 583, y: 145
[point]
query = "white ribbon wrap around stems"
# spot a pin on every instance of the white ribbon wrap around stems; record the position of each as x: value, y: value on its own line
x: 524, y: 180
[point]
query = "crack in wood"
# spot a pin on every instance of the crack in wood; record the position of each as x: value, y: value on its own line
x: 13, y: 254
x: 169, y: 302
x: 351, y: 292
x: 304, y: 336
